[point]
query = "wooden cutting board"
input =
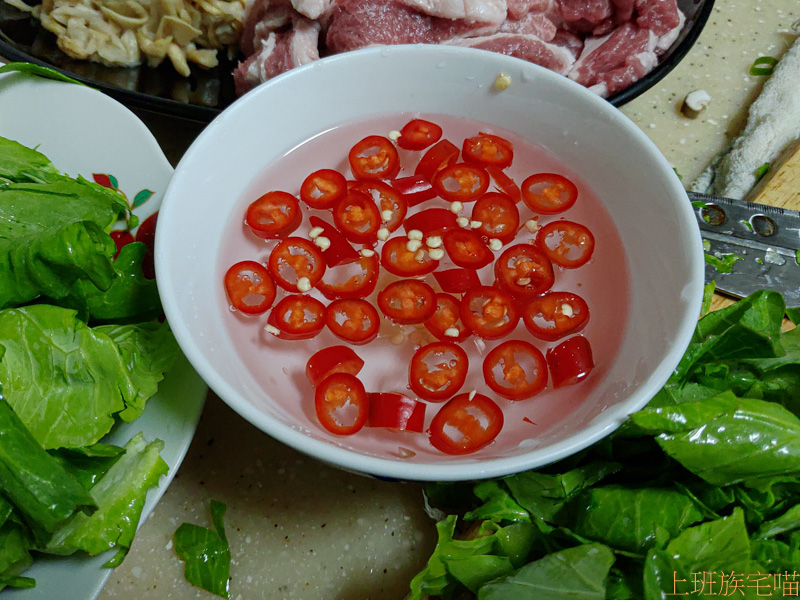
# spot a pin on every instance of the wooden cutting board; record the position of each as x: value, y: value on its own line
x: 779, y: 187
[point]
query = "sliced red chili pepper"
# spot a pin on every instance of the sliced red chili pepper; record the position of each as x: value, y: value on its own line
x: 146, y: 233
x: 249, y: 287
x: 466, y: 424
x: 524, y: 270
x: 570, y: 362
x: 457, y: 281
x: 341, y: 404
x: 353, y: 320
x: 555, y: 315
x: 566, y: 243
x: 438, y: 370
x: 322, y: 189
x: 487, y: 149
x: 415, y: 189
x: 339, y: 252
x: 330, y: 360
x: 504, y: 183
x: 353, y: 280
x: 548, y: 193
x: 438, y: 156
x: 515, y: 370
x: 431, y: 221
x: 407, y: 301
x: 446, y: 321
x: 418, y: 134
x: 374, y: 157
x: 498, y: 216
x: 461, y: 182
x: 489, y: 312
x: 293, y: 259
x: 273, y: 215
x: 357, y: 217
x: 399, y: 260
x: 121, y: 237
x: 386, y: 199
x: 297, y: 317
x: 466, y: 248
x: 396, y: 411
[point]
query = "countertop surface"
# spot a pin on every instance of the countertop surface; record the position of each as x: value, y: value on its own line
x: 299, y: 529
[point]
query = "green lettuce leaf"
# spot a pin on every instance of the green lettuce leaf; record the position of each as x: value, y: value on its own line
x: 579, y: 572
x: 63, y: 379
x: 15, y: 556
x: 20, y: 164
x: 119, y: 495
x: 206, y: 553
x: 44, y: 492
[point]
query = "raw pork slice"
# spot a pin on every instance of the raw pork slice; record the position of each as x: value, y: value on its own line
x: 660, y: 16
x: 533, y: 23
x: 262, y: 18
x: 517, y: 9
x: 356, y: 24
x: 279, y: 52
x: 590, y: 11
x: 473, y: 11
x: 526, y: 47
x: 604, y: 54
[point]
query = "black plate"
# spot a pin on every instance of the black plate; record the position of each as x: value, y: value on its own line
x: 202, y: 95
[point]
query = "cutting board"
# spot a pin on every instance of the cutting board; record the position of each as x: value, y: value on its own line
x: 779, y: 187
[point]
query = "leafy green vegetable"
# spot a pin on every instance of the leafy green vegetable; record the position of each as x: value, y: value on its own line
x: 724, y: 262
x: 119, y: 495
x: 579, y: 572
x: 761, y: 171
x: 205, y: 553
x: 35, y: 482
x: 697, y: 494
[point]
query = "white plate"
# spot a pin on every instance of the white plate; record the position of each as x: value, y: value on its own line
x: 84, y: 132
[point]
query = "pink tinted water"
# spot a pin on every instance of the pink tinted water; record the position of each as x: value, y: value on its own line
x: 279, y: 366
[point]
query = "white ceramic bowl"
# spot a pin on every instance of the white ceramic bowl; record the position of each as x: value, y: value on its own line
x: 612, y: 156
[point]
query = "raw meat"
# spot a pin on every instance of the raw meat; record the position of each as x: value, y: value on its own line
x: 526, y: 47
x: 279, y: 52
x: 534, y: 23
x: 603, y: 44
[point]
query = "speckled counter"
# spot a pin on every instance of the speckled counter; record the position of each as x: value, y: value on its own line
x: 301, y: 530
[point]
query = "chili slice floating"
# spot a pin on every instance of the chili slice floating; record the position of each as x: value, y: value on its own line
x: 418, y: 134
x: 524, y: 270
x: 498, y: 215
x: 515, y: 370
x: 457, y: 281
x: 297, y: 317
x: 374, y: 157
x: 566, y: 243
x: 555, y: 315
x: 486, y: 149
x: 570, y: 362
x: 294, y: 259
x: 438, y: 370
x: 446, y: 321
x: 341, y: 404
x: 466, y: 249
x: 357, y: 217
x: 353, y: 280
x: 322, y: 189
x: 330, y: 360
x: 461, y: 182
x: 504, y: 183
x: 438, y: 156
x: 431, y: 221
x: 388, y: 200
x: 399, y: 260
x: 353, y: 320
x: 415, y: 189
x: 489, y: 312
x: 407, y: 301
x: 273, y: 215
x: 339, y: 250
x: 396, y: 411
x: 465, y: 425
x: 548, y: 193
x: 249, y: 287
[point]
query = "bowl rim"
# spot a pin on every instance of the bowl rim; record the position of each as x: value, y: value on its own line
x: 460, y: 468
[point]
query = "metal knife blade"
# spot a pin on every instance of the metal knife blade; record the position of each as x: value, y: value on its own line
x: 764, y: 238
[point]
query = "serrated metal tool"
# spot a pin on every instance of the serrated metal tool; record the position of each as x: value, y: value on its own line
x: 764, y: 238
